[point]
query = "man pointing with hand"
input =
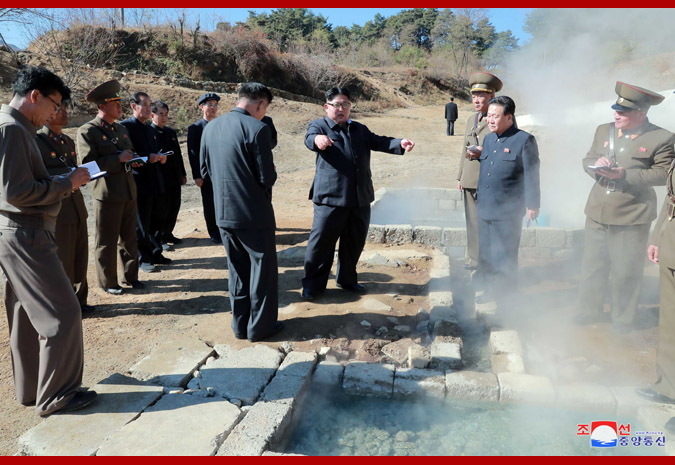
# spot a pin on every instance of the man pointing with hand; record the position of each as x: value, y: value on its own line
x: 342, y: 192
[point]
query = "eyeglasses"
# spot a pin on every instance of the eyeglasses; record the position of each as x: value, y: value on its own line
x: 340, y: 106
x: 211, y: 105
x: 57, y: 106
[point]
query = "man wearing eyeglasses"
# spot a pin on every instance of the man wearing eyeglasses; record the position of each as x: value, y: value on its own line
x: 108, y: 144
x: 59, y: 156
x: 342, y: 192
x: 208, y: 104
x: 43, y: 313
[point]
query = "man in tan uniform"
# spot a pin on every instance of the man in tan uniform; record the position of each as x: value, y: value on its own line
x: 627, y: 157
x: 662, y: 252
x: 107, y: 143
x: 58, y: 154
x: 483, y: 88
x: 43, y: 314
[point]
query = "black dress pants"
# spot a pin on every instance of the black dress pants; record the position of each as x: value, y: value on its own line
x: 350, y: 226
x: 253, y: 280
x: 209, y: 209
x: 498, y: 243
x: 173, y: 201
x: 150, y: 216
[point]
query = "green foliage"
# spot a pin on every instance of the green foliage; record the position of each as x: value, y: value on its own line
x: 181, y: 119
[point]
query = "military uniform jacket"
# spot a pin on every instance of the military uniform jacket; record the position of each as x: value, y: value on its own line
x: 173, y: 171
x: 194, y: 138
x: 509, y: 175
x: 343, y: 177
x: 102, y: 142
x: 58, y: 154
x: 469, y: 169
x: 664, y: 230
x: 645, y: 153
x: 236, y: 154
x: 29, y: 197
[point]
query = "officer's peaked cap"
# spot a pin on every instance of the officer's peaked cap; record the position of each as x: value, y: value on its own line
x: 484, y: 82
x: 634, y: 98
x: 104, y: 93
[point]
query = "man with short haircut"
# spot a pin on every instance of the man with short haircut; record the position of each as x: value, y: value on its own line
x: 451, y: 116
x: 342, y: 192
x: 483, y: 89
x: 627, y: 157
x: 150, y: 201
x: 107, y: 143
x: 236, y: 154
x: 43, y: 313
x: 173, y: 171
x: 508, y: 189
x: 208, y: 104
x: 59, y: 156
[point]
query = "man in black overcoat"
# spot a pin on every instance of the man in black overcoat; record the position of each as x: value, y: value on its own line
x: 451, y: 115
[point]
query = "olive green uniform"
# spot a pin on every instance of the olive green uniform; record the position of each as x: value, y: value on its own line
x: 618, y: 217
x: 58, y: 153
x: 114, y: 200
x: 476, y: 130
x: 664, y: 238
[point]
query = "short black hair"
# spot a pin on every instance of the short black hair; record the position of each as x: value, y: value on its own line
x: 41, y: 79
x: 506, y: 103
x: 335, y: 91
x: 452, y: 99
x: 157, y: 104
x: 255, y: 91
x: 136, y: 97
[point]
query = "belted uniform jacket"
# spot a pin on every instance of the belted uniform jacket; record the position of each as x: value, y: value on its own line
x: 469, y: 169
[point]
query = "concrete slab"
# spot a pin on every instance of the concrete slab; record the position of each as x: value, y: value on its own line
x: 172, y: 363
x: 428, y: 235
x: 398, y: 233
x: 550, y: 237
x: 524, y: 388
x: 298, y: 364
x: 369, y: 379
x: 447, y: 328
x: 398, y: 351
x: 472, y: 385
x: 418, y: 356
x: 446, y: 353
x: 120, y: 399
x: 416, y: 383
x: 505, y: 342
x: 376, y: 234
x: 178, y: 424
x: 329, y: 373
x: 454, y: 237
x: 240, y: 374
x: 507, y: 363
x: 586, y: 396
x: 285, y: 388
x: 628, y: 402
x: 264, y: 425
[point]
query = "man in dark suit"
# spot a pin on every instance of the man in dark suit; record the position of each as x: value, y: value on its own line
x: 236, y: 154
x: 342, y: 192
x: 451, y: 116
x: 173, y: 171
x: 208, y: 103
x: 508, y: 188
x: 151, y: 199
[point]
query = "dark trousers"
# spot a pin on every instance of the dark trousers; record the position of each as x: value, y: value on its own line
x: 173, y: 200
x: 498, y: 255
x: 253, y: 280
x: 450, y: 131
x: 151, y: 214
x: 209, y: 209
x: 115, y: 232
x: 44, y: 319
x: 350, y: 225
x: 73, y: 251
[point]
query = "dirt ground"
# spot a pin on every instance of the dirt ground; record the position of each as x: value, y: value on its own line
x: 188, y: 298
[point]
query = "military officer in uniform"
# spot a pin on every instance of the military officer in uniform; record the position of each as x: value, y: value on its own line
x: 483, y: 89
x: 626, y: 159
x: 107, y: 143
x: 662, y: 252
x: 208, y: 103
x: 58, y: 153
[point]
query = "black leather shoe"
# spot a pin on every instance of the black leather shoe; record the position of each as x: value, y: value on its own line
x: 216, y: 240
x: 240, y: 336
x: 308, y: 295
x: 278, y: 326
x: 87, y: 308
x: 360, y: 288
x: 117, y: 290
x: 160, y: 259
x: 650, y: 394
x: 80, y: 400
x: 135, y: 284
x: 172, y: 239
x: 167, y: 247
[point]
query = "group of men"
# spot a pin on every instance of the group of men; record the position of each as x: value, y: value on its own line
x: 136, y: 205
x: 498, y: 175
